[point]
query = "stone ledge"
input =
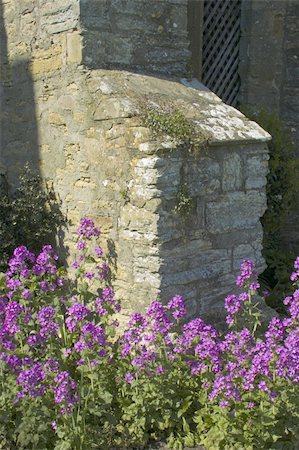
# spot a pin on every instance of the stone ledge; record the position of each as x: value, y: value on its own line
x: 222, y: 122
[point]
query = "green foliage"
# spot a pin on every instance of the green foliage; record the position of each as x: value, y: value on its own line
x: 168, y: 121
x: 282, y: 197
x: 156, y: 381
x: 184, y: 203
x: 28, y: 217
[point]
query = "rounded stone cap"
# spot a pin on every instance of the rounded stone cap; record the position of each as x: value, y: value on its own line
x: 223, y: 123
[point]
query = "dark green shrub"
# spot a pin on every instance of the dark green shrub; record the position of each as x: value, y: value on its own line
x: 282, y: 195
x: 29, y: 216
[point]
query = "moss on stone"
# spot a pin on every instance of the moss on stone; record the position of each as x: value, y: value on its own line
x: 169, y: 121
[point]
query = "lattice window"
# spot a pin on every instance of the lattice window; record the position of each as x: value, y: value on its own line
x: 220, y: 48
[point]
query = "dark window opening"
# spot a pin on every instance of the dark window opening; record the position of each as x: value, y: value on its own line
x: 214, y: 30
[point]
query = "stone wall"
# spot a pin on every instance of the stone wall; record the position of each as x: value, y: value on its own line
x: 39, y: 41
x: 269, y: 70
x: 82, y: 130
x: 137, y: 35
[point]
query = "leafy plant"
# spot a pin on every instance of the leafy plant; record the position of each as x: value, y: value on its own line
x: 70, y: 380
x: 28, y: 216
x: 184, y: 203
x: 168, y: 121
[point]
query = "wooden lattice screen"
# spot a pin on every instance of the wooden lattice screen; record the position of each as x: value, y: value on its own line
x: 220, y: 48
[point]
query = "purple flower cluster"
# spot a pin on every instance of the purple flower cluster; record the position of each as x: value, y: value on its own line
x: 76, y: 313
x: 87, y: 229
x: 65, y: 392
x: 50, y: 338
x: 145, y: 335
x: 28, y: 317
x: 247, y: 271
x: 295, y: 274
x: 92, y: 337
x: 233, y: 304
x: 177, y: 306
x: 31, y: 381
x: 106, y: 303
x: 238, y: 362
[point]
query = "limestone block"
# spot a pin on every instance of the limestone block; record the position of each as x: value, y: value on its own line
x: 59, y: 16
x: 114, y: 108
x: 148, y: 263
x: 239, y: 252
x: 46, y: 61
x: 19, y: 50
x: 104, y: 223
x: 25, y: 6
x: 234, y: 211
x: 256, y: 171
x: 203, y: 176
x: 208, y: 264
x: 56, y: 119
x: 74, y: 47
x: 144, y: 192
x: 79, y: 116
x: 232, y: 173
x: 152, y: 280
x: 135, y: 219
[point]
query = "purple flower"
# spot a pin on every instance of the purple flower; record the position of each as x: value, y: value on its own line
x: 107, y: 300
x: 177, y: 304
x: 247, y: 271
x: 160, y: 370
x: 232, y: 304
x: 51, y: 365
x: 263, y: 386
x: 76, y: 313
x: 46, y: 314
x: 89, y: 275
x: 250, y: 405
x: 98, y: 251
x: 31, y: 381
x: 254, y: 286
x: 44, y: 285
x: 60, y: 281
x: 103, y: 270
x: 13, y: 284
x: 81, y: 245
x: 87, y: 228
x: 12, y: 311
x: 129, y: 378
x: 49, y: 329
x: 35, y: 340
x: 223, y: 403
x: 65, y: 391
x: 27, y: 294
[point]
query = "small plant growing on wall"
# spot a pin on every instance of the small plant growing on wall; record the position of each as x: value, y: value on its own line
x: 169, y: 121
x: 184, y: 203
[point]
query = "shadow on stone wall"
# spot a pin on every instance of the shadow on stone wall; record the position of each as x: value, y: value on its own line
x: 19, y: 135
x: 142, y: 37
x: 19, y: 140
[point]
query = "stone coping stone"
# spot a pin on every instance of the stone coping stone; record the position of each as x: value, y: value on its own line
x: 129, y: 91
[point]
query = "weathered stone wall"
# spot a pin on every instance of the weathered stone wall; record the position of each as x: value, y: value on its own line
x: 82, y: 130
x: 137, y: 35
x: 39, y: 40
x: 269, y: 70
